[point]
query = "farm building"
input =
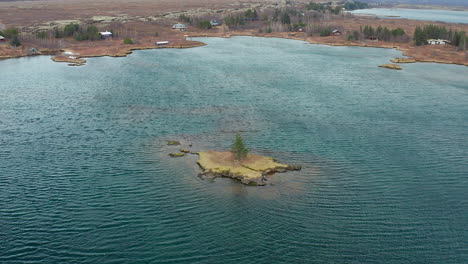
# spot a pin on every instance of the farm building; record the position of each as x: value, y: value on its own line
x: 180, y: 27
x: 105, y: 34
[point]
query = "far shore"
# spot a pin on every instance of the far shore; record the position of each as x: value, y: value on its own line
x: 144, y: 28
x: 440, y: 54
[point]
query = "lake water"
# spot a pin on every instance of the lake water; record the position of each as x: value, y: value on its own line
x: 418, y: 14
x: 85, y: 176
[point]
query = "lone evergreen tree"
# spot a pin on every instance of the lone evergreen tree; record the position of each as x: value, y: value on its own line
x: 15, y: 42
x: 238, y: 148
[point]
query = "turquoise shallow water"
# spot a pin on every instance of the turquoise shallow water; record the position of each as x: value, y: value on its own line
x: 418, y: 14
x: 85, y: 177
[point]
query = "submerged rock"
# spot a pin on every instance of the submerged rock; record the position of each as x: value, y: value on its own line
x: 184, y: 150
x: 173, y: 142
x: 252, y: 171
x: 176, y: 155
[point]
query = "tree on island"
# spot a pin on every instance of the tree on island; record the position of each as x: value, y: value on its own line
x: 238, y: 148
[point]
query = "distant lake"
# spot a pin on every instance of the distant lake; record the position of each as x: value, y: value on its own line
x: 85, y: 175
x: 418, y: 14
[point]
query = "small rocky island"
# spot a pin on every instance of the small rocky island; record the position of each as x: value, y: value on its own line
x: 403, y: 60
x: 392, y: 66
x: 238, y: 163
x: 252, y: 170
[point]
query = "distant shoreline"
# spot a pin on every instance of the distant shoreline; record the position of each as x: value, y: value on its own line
x: 126, y: 50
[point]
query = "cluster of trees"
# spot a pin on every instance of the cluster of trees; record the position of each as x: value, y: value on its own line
x: 422, y: 34
x: 251, y: 14
x: 355, y: 5
x: 324, y: 7
x: 204, y: 24
x: 356, y: 35
x: 186, y: 19
x: 74, y: 30
x: 284, y: 16
x: 385, y: 34
x: 11, y: 34
x: 326, y: 31
x: 128, y: 41
x: 240, y: 19
x: 234, y: 20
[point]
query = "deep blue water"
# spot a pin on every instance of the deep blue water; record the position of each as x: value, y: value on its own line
x: 448, y: 16
x: 85, y: 176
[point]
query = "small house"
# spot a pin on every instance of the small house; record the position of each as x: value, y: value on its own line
x: 180, y: 27
x: 437, y: 42
x: 2, y: 39
x: 214, y: 22
x: 336, y: 33
x: 105, y: 34
x: 161, y: 43
x: 374, y: 38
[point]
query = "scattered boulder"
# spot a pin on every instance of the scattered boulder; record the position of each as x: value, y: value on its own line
x: 173, y: 142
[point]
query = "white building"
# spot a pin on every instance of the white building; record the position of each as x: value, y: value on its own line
x: 160, y: 43
x: 437, y: 42
x: 180, y: 27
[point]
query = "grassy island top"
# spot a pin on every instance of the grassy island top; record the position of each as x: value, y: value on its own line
x: 249, y: 169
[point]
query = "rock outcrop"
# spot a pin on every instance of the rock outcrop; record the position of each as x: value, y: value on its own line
x: 403, y: 60
x: 391, y: 66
